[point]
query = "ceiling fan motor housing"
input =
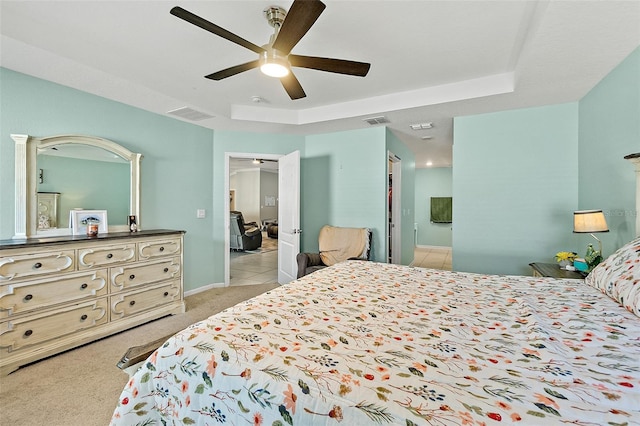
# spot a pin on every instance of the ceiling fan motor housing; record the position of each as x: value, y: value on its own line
x: 275, y: 15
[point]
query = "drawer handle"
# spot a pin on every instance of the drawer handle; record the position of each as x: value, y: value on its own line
x: 28, y: 297
x: 166, y: 293
x: 84, y: 317
x: 38, y: 265
x: 110, y: 255
x: 84, y: 285
x: 131, y: 277
x: 166, y: 270
x: 133, y: 302
x: 161, y: 248
x: 28, y: 333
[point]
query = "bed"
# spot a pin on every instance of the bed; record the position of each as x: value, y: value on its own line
x: 371, y: 343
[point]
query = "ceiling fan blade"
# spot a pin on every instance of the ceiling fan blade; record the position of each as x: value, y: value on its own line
x: 213, y: 28
x: 293, y: 87
x: 301, y: 16
x: 228, y: 72
x: 340, y: 66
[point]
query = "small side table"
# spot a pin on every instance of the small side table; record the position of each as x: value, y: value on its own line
x: 553, y: 270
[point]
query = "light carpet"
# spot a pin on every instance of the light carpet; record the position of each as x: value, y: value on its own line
x: 82, y: 386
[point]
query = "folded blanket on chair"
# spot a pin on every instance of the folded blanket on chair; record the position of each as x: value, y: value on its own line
x: 339, y: 244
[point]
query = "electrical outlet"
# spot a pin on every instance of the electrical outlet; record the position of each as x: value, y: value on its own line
x: 200, y: 213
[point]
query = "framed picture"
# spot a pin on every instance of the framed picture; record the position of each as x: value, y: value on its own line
x: 80, y: 218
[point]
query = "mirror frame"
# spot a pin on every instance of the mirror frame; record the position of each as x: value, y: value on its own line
x: 26, y: 150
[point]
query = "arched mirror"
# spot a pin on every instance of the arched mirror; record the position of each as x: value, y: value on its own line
x: 56, y: 175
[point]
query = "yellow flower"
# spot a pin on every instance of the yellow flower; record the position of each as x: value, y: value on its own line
x: 566, y: 255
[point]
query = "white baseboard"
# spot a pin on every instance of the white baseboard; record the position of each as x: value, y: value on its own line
x: 433, y: 247
x: 203, y: 288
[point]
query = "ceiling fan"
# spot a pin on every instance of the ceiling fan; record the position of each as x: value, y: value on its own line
x: 275, y: 58
x: 257, y: 160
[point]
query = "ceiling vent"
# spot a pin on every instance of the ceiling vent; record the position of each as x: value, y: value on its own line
x: 377, y: 120
x: 189, y: 114
x: 421, y: 126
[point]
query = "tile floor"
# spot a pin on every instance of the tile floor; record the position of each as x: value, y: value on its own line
x: 432, y: 257
x: 249, y: 269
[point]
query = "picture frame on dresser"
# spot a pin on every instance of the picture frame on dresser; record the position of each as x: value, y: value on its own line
x: 79, y: 219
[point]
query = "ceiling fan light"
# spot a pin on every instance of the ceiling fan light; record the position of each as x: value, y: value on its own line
x: 274, y: 70
x: 273, y: 64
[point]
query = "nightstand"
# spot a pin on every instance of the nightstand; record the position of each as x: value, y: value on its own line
x: 553, y: 270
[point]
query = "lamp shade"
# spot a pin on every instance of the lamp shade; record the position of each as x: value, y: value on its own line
x: 588, y: 221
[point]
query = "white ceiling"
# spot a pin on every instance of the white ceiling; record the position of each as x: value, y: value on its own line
x: 430, y: 60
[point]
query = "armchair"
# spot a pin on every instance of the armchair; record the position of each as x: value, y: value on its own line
x: 243, y: 236
x: 336, y: 245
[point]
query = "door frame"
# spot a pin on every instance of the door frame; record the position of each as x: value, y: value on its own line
x: 395, y: 233
x: 227, y: 219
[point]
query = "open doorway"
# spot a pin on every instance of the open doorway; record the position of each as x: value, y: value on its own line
x: 252, y: 184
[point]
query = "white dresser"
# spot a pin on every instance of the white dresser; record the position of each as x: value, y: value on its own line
x: 59, y: 293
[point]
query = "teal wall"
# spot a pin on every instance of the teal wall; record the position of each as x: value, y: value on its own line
x: 176, y: 168
x: 432, y: 182
x: 343, y: 184
x: 609, y: 130
x: 515, y: 187
x: 407, y: 202
x: 519, y: 175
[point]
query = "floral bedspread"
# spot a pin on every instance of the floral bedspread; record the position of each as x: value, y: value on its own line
x: 370, y: 343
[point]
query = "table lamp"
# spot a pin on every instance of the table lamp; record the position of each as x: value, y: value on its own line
x: 590, y: 221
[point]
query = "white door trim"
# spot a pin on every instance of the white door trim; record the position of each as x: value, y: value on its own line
x: 227, y: 220
x: 396, y: 210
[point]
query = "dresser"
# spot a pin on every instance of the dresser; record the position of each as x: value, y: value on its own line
x: 62, y: 292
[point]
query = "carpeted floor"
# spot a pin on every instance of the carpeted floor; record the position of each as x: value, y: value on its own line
x: 81, y: 386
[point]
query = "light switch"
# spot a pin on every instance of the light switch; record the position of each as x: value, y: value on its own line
x: 200, y: 213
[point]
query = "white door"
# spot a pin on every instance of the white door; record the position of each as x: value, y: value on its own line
x: 288, y: 216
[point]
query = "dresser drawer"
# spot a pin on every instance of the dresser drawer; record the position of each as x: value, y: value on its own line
x: 33, y: 264
x: 18, y: 298
x: 128, y: 276
x: 106, y: 255
x: 27, y: 331
x: 159, y: 248
x: 131, y: 303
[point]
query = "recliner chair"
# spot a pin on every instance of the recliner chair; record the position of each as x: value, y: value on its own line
x: 335, y: 246
x: 243, y: 236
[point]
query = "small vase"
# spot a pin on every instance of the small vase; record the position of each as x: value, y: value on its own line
x: 564, y: 263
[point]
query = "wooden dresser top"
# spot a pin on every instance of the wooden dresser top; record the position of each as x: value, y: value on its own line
x: 63, y: 239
